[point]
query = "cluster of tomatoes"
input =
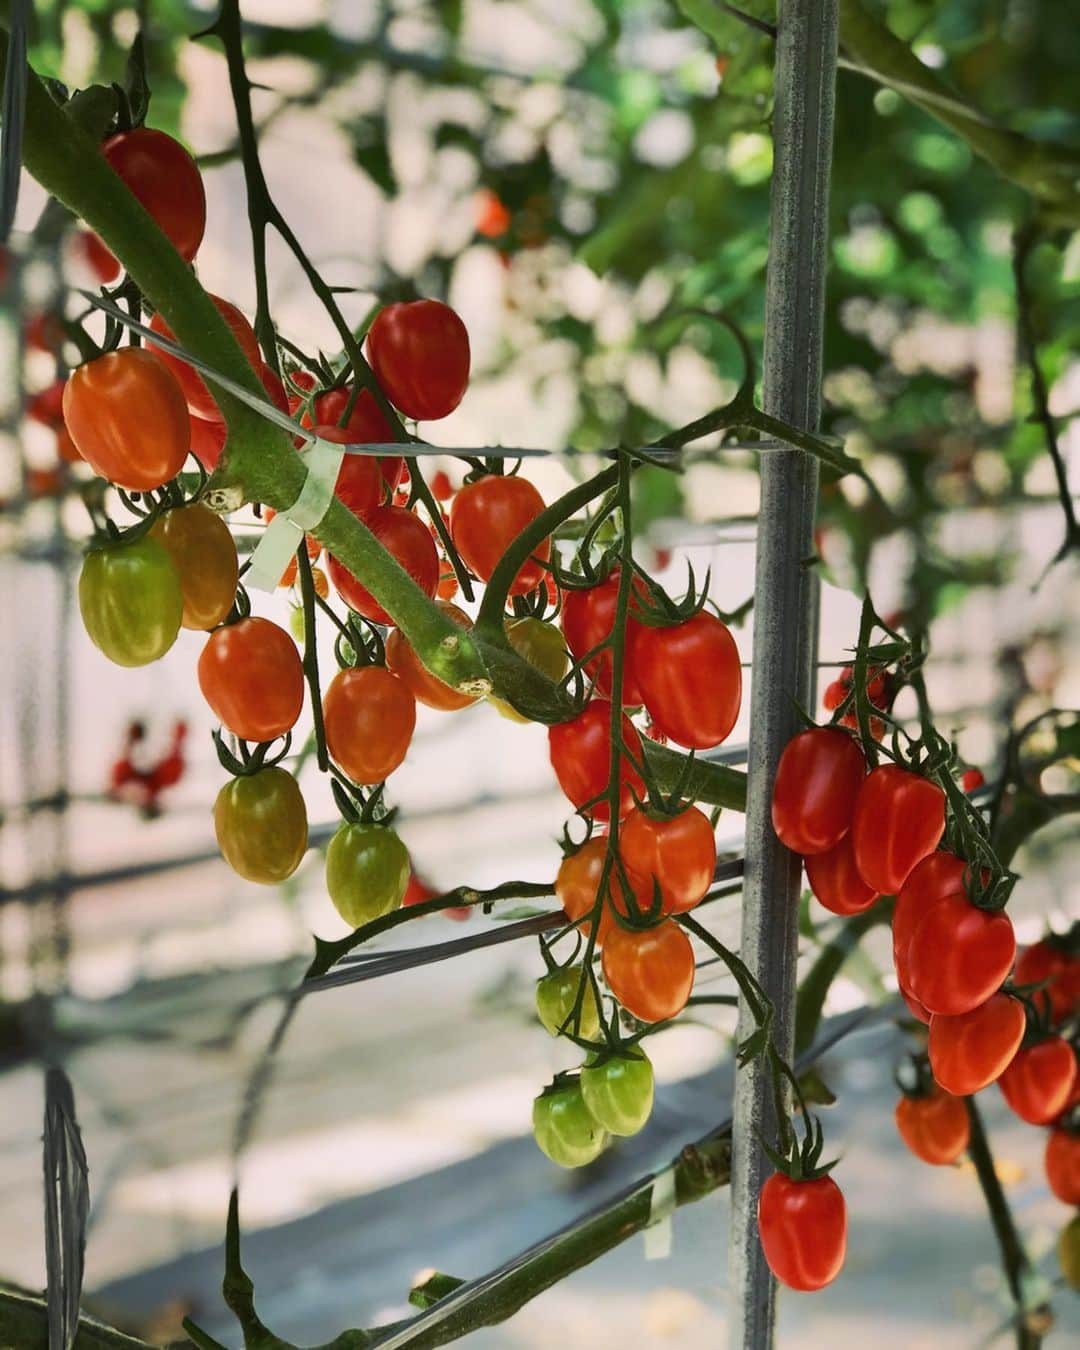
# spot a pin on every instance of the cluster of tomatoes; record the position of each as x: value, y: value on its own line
x: 142, y: 784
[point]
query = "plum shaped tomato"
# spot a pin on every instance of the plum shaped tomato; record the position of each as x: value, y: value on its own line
x: 1068, y: 1249
x: 200, y: 401
x: 973, y: 1050
x: 650, y: 971
x: 204, y: 555
x: 690, y: 680
x: 485, y: 519
x: 618, y: 1091
x: 419, y: 352
x: 836, y: 882
x: 425, y: 687
x: 367, y: 871
x: 251, y: 676
x: 1062, y: 1160
x: 166, y: 180
x: 408, y: 539
x: 369, y: 716
x: 580, y: 753
x: 935, y: 1127
x: 815, y: 790
x: 587, y: 619
x: 261, y: 825
x: 127, y: 416
x: 365, y: 424
x: 899, y: 819
x: 1039, y: 1081
x: 939, y: 875
x: 207, y: 441
x: 803, y: 1230
x: 543, y: 647
x: 131, y: 601
x: 564, y: 1127
x: 556, y: 997
x: 577, y: 883
x: 958, y: 955
x: 678, y: 852
x: 1047, y: 962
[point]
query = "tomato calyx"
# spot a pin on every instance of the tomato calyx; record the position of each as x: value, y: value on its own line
x: 915, y: 1078
x: 250, y: 759
x: 658, y: 610
x: 358, y: 807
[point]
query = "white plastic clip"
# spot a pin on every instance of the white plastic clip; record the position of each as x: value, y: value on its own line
x: 284, y: 533
x: 661, y: 1207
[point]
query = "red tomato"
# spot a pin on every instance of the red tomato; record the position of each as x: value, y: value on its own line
x: 366, y: 424
x: 969, y: 1052
x: 420, y: 355
x: 200, y: 400
x: 1039, y: 1081
x: 251, y: 676
x: 578, y: 880
x: 404, y: 536
x: 972, y: 779
x: 66, y: 447
x: 899, y: 819
x: 958, y: 955
x: 690, y: 680
x: 97, y: 257
x: 679, y: 852
x: 166, y: 180
x: 1063, y: 1165
x: 935, y: 1128
x: 492, y: 217
x: 275, y: 389
x: 48, y: 406
x: 815, y: 790
x: 914, y: 1006
x: 207, y: 441
x: 937, y: 876
x: 1044, y: 961
x: 370, y: 717
x: 803, y: 1230
x: 650, y: 971
x: 425, y: 687
x: 360, y: 484
x: 485, y: 519
x: 835, y: 880
x: 834, y: 695
x: 580, y: 753
x: 587, y: 619
x: 441, y: 487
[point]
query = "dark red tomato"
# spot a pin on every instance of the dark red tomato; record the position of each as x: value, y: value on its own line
x: 834, y: 695
x: 958, y: 955
x: 969, y: 1052
x: 580, y: 753
x: 366, y: 424
x: 899, y: 819
x: 360, y: 485
x: 803, y: 1230
x: 678, y: 852
x: 370, y: 717
x: 47, y: 407
x: 420, y: 355
x: 166, y: 180
x: 200, y: 400
x: 485, y: 519
x: 1045, y: 961
x: 650, y: 971
x: 251, y: 676
x: 835, y: 880
x: 1039, y: 1081
x: 587, y: 619
x: 407, y: 538
x: 1063, y: 1165
x: 972, y: 779
x: 938, y: 875
x: 935, y: 1128
x: 207, y: 441
x: 690, y: 680
x: 815, y: 790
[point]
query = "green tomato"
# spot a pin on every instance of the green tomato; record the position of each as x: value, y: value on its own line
x: 367, y: 871
x: 564, y: 1129
x: 131, y: 601
x: 619, y: 1092
x: 261, y: 825
x: 297, y: 624
x: 543, y: 646
x: 1069, y: 1252
x: 556, y: 995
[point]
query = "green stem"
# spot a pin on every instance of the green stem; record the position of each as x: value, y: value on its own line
x: 24, y: 1322
x: 713, y: 784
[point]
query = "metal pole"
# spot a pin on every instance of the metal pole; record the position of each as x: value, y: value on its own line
x: 784, y: 596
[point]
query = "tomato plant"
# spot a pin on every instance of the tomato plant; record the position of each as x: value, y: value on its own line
x: 425, y: 687
x: 972, y: 1050
x: 200, y: 400
x: 542, y: 645
x: 803, y: 1228
x: 167, y: 182
x: 958, y: 955
x: 250, y: 675
x: 556, y: 998
x: 367, y: 871
x: 588, y: 616
x: 405, y: 537
x: 261, y: 825
x: 369, y: 715
x: 131, y: 601
x: 1039, y: 1081
x: 690, y: 680
x: 1051, y: 962
x: 834, y: 878
x: 1063, y: 1165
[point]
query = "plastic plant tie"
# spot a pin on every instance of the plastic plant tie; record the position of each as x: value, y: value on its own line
x: 661, y: 1208
x: 286, y: 531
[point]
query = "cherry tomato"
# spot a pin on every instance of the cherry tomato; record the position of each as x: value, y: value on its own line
x: 425, y: 687
x: 587, y: 620
x: 899, y: 820
x: 580, y: 753
x: 47, y: 407
x: 359, y: 484
x: 207, y: 441
x: 959, y: 955
x: 650, y: 971
x: 492, y: 217
x: 126, y: 414
x: 816, y: 787
x: 835, y: 880
x: 914, y: 1006
x: 1045, y: 961
x: 619, y: 1092
x: 542, y: 645
x: 200, y: 400
x: 367, y: 870
x: 204, y: 555
x: 89, y: 248
x: 404, y: 536
x: 1063, y: 1165
x: 564, y: 1128
x: 251, y: 676
x: 1069, y: 1252
x: 166, y: 180
x: 369, y: 716
x: 834, y: 695
x: 274, y: 386
x: 803, y: 1230
x: 366, y: 425
x: 973, y: 1050
x: 556, y: 997
x: 261, y: 825
x: 935, y: 1128
x: 66, y: 447
x: 420, y: 355
x: 577, y: 883
x: 441, y: 487
x: 485, y: 519
x: 972, y: 779
x: 939, y: 875
x: 679, y: 852
x: 690, y: 680
x: 131, y: 601
x: 1039, y: 1081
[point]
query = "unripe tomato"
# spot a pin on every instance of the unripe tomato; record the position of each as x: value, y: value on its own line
x: 939, y: 875
x: 958, y: 955
x: 425, y: 687
x: 836, y: 882
x: 200, y: 400
x: 556, y: 996
x: 690, y: 680
x: 578, y: 881
x: 619, y: 1092
x: 1063, y: 1165
x: 650, y: 971
x: 366, y: 425
x: 899, y: 820
x: 485, y: 519
x: 542, y: 645
x: 204, y: 555
x: 404, y: 536
x: 367, y: 871
x: 251, y: 676
x: 1069, y: 1252
x: 369, y: 716
x: 815, y: 790
x: 131, y: 601
x: 580, y: 752
x: 1061, y: 971
x: 564, y: 1128
x: 973, y: 1050
x: 261, y: 825
x: 1039, y: 1081
x: 803, y: 1230
x: 127, y: 415
x: 679, y: 852
x: 587, y: 619
x: 419, y: 352
x: 207, y: 441
x: 935, y: 1128
x: 166, y: 180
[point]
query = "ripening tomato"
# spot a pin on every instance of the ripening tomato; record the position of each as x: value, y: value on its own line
x: 419, y: 352
x: 679, y: 852
x: 1063, y: 1165
x: 587, y: 619
x: 580, y: 752
x: 958, y: 955
x: 207, y: 441
x: 578, y: 881
x: 973, y: 1050
x: 261, y: 825
x: 166, y: 180
x: 251, y: 676
x: 619, y: 1091
x: 487, y: 516
x: 200, y: 400
x: 542, y: 645
x: 127, y: 415
x: 1039, y: 1081
x: 1049, y: 962
x: 367, y: 871
x: 939, y: 875
x: 406, y: 538
x: 564, y: 1127
x: 425, y: 687
x: 650, y: 971
x: 803, y: 1230
x: 366, y: 425
x: 835, y: 880
x: 899, y: 820
x: 131, y: 601
x: 935, y: 1128
x: 815, y: 790
x: 690, y: 680
x: 204, y: 555
x: 369, y: 716
x: 556, y: 998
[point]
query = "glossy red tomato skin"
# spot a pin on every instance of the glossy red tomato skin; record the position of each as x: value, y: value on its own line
x: 407, y: 538
x: 959, y: 955
x: 207, y: 441
x: 935, y: 1128
x: 89, y: 248
x: 651, y: 971
x: 370, y: 717
x: 1043, y: 961
x: 1063, y: 1165
x: 815, y: 790
x: 200, y: 400
x: 836, y: 882
x: 803, y: 1230
x: 899, y: 820
x: 166, y: 180
x: 973, y: 1050
x: 366, y: 425
x: 580, y: 753
x: 1039, y: 1081
x: 419, y: 352
x: 678, y: 852
x: 587, y: 619
x: 938, y: 875
x: 485, y: 519
x: 914, y: 1007
x: 251, y: 676
x: 690, y: 680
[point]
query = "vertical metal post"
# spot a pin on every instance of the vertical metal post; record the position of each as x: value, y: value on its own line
x: 784, y: 596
